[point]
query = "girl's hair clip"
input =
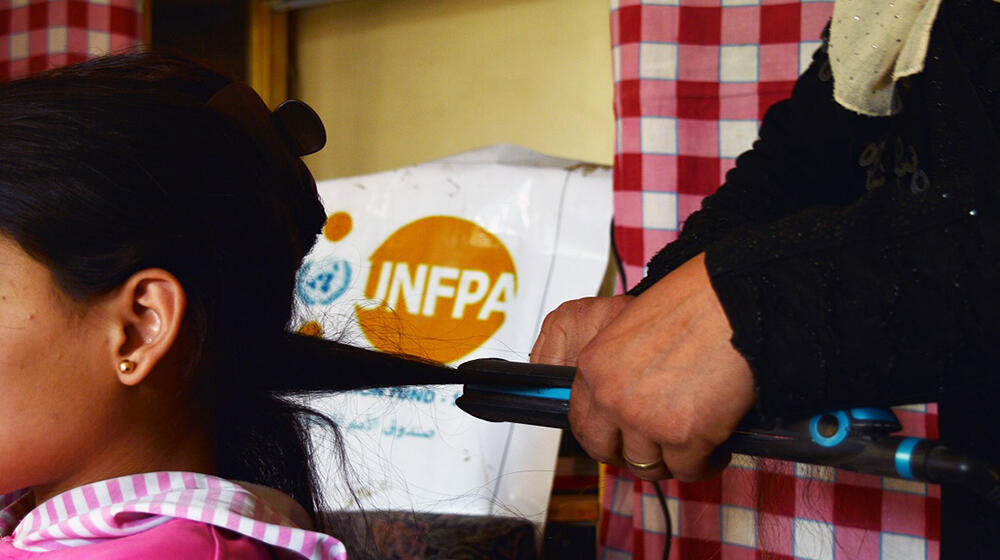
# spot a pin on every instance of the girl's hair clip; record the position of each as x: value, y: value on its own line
x: 301, y: 127
x: 294, y: 121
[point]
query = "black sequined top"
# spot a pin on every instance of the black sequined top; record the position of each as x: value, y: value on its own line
x: 858, y: 258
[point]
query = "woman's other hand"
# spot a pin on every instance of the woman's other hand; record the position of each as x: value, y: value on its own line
x: 658, y: 380
x: 569, y: 327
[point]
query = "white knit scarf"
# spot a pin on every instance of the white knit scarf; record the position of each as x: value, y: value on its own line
x: 874, y: 44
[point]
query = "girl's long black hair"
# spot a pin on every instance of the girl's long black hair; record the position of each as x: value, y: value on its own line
x: 118, y: 164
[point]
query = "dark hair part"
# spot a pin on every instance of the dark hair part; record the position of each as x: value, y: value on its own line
x: 116, y: 164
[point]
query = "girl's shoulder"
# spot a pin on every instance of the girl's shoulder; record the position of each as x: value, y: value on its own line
x: 166, y: 515
x: 177, y: 538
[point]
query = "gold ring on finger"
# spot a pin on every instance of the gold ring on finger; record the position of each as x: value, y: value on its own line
x: 642, y: 466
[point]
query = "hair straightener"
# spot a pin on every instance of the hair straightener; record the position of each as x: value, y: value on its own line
x: 857, y: 439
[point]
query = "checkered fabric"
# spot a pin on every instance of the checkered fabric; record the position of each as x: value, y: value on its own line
x: 693, y: 79
x: 37, y: 34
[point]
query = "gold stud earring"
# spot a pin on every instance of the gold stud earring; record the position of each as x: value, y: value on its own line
x: 126, y: 366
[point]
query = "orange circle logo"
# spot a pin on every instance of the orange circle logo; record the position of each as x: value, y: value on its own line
x: 438, y: 288
x: 337, y: 226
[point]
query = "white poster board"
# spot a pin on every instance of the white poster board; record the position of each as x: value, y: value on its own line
x: 455, y: 259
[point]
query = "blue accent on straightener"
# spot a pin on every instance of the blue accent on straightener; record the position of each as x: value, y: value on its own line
x: 904, y: 454
x: 873, y: 414
x: 554, y: 393
x: 843, y: 428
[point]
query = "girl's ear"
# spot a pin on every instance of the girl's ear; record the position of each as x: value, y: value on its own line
x: 146, y: 316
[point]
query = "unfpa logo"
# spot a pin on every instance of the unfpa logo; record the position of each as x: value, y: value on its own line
x: 438, y: 288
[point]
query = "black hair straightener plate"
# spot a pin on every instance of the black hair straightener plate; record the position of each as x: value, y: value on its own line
x: 857, y: 439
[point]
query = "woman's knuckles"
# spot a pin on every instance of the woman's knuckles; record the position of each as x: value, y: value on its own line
x: 610, y: 401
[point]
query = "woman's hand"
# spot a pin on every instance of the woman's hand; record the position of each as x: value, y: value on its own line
x: 660, y: 380
x: 569, y: 327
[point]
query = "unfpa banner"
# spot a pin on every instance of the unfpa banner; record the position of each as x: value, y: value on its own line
x: 451, y: 260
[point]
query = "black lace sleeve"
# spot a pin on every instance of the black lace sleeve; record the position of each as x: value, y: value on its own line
x: 842, y: 288
x: 803, y: 148
x: 888, y: 300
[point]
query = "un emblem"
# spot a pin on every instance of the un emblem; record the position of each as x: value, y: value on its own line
x: 323, y: 280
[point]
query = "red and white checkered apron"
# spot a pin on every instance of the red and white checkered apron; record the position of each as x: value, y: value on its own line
x: 36, y: 35
x: 693, y: 79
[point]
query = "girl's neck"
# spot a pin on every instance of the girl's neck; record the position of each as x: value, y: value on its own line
x: 174, y: 446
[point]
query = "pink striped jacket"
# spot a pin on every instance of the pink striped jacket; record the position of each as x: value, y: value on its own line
x: 157, y: 515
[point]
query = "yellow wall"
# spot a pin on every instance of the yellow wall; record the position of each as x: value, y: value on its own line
x: 403, y: 81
